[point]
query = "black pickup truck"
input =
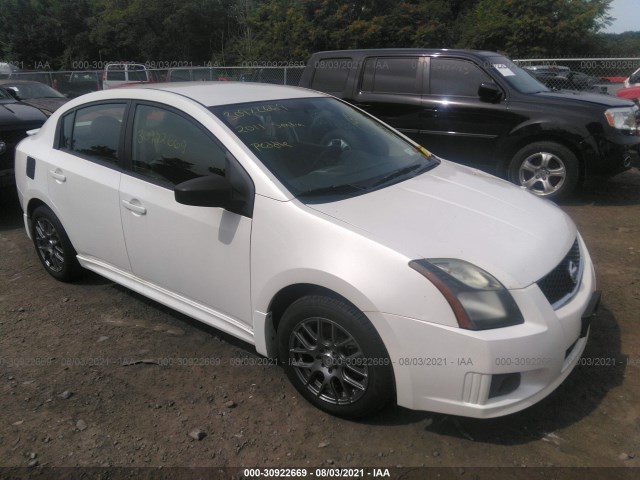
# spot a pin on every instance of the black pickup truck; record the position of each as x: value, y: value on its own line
x: 480, y: 109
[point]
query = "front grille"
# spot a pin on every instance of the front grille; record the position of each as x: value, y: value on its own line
x: 559, y: 284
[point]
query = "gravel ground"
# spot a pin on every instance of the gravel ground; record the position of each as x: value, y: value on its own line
x: 94, y: 375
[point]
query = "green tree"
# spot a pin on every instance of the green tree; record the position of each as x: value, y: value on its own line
x: 169, y: 31
x: 534, y: 27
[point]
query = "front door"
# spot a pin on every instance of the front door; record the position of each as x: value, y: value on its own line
x: 195, y: 254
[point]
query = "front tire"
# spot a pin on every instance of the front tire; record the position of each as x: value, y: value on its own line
x: 334, y: 357
x: 546, y: 169
x: 53, y: 246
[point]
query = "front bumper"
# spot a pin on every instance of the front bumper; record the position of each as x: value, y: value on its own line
x: 606, y: 156
x: 495, y: 372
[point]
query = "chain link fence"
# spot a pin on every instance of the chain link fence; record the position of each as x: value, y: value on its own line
x: 604, y: 75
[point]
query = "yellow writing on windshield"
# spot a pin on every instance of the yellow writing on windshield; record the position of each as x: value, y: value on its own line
x: 270, y: 145
x: 244, y: 112
x: 158, y: 138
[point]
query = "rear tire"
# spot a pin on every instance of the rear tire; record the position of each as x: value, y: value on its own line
x: 334, y: 357
x: 546, y: 169
x: 53, y: 246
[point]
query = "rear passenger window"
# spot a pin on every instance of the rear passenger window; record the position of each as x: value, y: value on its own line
x: 170, y: 148
x: 137, y: 74
x: 94, y: 131
x: 331, y: 74
x: 391, y: 75
x: 456, y: 77
x: 116, y: 72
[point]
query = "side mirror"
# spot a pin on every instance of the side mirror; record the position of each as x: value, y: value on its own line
x: 489, y: 92
x: 209, y: 191
x: 13, y: 92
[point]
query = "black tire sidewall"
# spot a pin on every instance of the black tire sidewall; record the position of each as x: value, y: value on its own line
x: 380, y: 388
x: 71, y: 268
x: 567, y: 157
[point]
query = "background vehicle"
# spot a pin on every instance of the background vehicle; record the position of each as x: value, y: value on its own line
x: 82, y: 82
x: 562, y: 78
x: 118, y: 74
x: 7, y: 69
x: 16, y: 118
x: 481, y: 109
x: 35, y: 94
x: 633, y: 80
x: 631, y: 93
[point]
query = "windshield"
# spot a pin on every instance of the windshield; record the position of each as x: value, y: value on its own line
x: 26, y: 91
x: 321, y: 148
x: 515, y: 76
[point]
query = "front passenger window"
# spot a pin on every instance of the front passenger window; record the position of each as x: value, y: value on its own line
x: 456, y: 77
x: 172, y: 148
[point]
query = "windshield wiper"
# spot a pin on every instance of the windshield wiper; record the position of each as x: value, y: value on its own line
x: 332, y: 190
x: 397, y: 173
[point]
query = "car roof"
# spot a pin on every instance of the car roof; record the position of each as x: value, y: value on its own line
x: 212, y: 94
x: 414, y: 51
x: 551, y: 68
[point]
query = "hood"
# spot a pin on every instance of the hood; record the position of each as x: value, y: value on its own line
x: 457, y: 212
x: 48, y: 104
x: 572, y: 96
x: 17, y: 114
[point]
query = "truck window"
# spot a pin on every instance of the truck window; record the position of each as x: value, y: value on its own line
x: 331, y: 74
x: 391, y: 75
x: 456, y: 77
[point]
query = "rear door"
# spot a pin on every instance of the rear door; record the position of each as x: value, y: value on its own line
x: 83, y: 177
x: 390, y: 88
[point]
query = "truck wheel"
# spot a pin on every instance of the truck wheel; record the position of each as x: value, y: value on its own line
x: 334, y: 357
x: 547, y: 169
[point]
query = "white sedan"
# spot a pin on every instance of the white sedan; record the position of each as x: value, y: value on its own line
x: 372, y: 269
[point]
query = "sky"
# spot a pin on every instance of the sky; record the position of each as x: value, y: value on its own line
x: 626, y: 14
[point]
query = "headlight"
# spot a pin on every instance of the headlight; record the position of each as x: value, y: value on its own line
x: 3, y: 147
x: 622, y: 118
x: 478, y: 300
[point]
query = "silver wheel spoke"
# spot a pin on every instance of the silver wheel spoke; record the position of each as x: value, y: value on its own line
x: 528, y: 166
x: 353, y: 383
x: 547, y: 187
x: 558, y: 172
x: 320, y: 351
x: 546, y: 158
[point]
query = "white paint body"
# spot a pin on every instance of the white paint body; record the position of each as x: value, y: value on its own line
x: 224, y: 269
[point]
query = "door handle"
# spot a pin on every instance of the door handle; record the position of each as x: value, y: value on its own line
x: 139, y: 209
x: 57, y: 174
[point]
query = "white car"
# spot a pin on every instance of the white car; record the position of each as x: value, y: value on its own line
x: 374, y: 270
x: 118, y: 74
x: 633, y: 80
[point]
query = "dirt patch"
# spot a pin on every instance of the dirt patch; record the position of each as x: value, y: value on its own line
x: 95, y: 375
